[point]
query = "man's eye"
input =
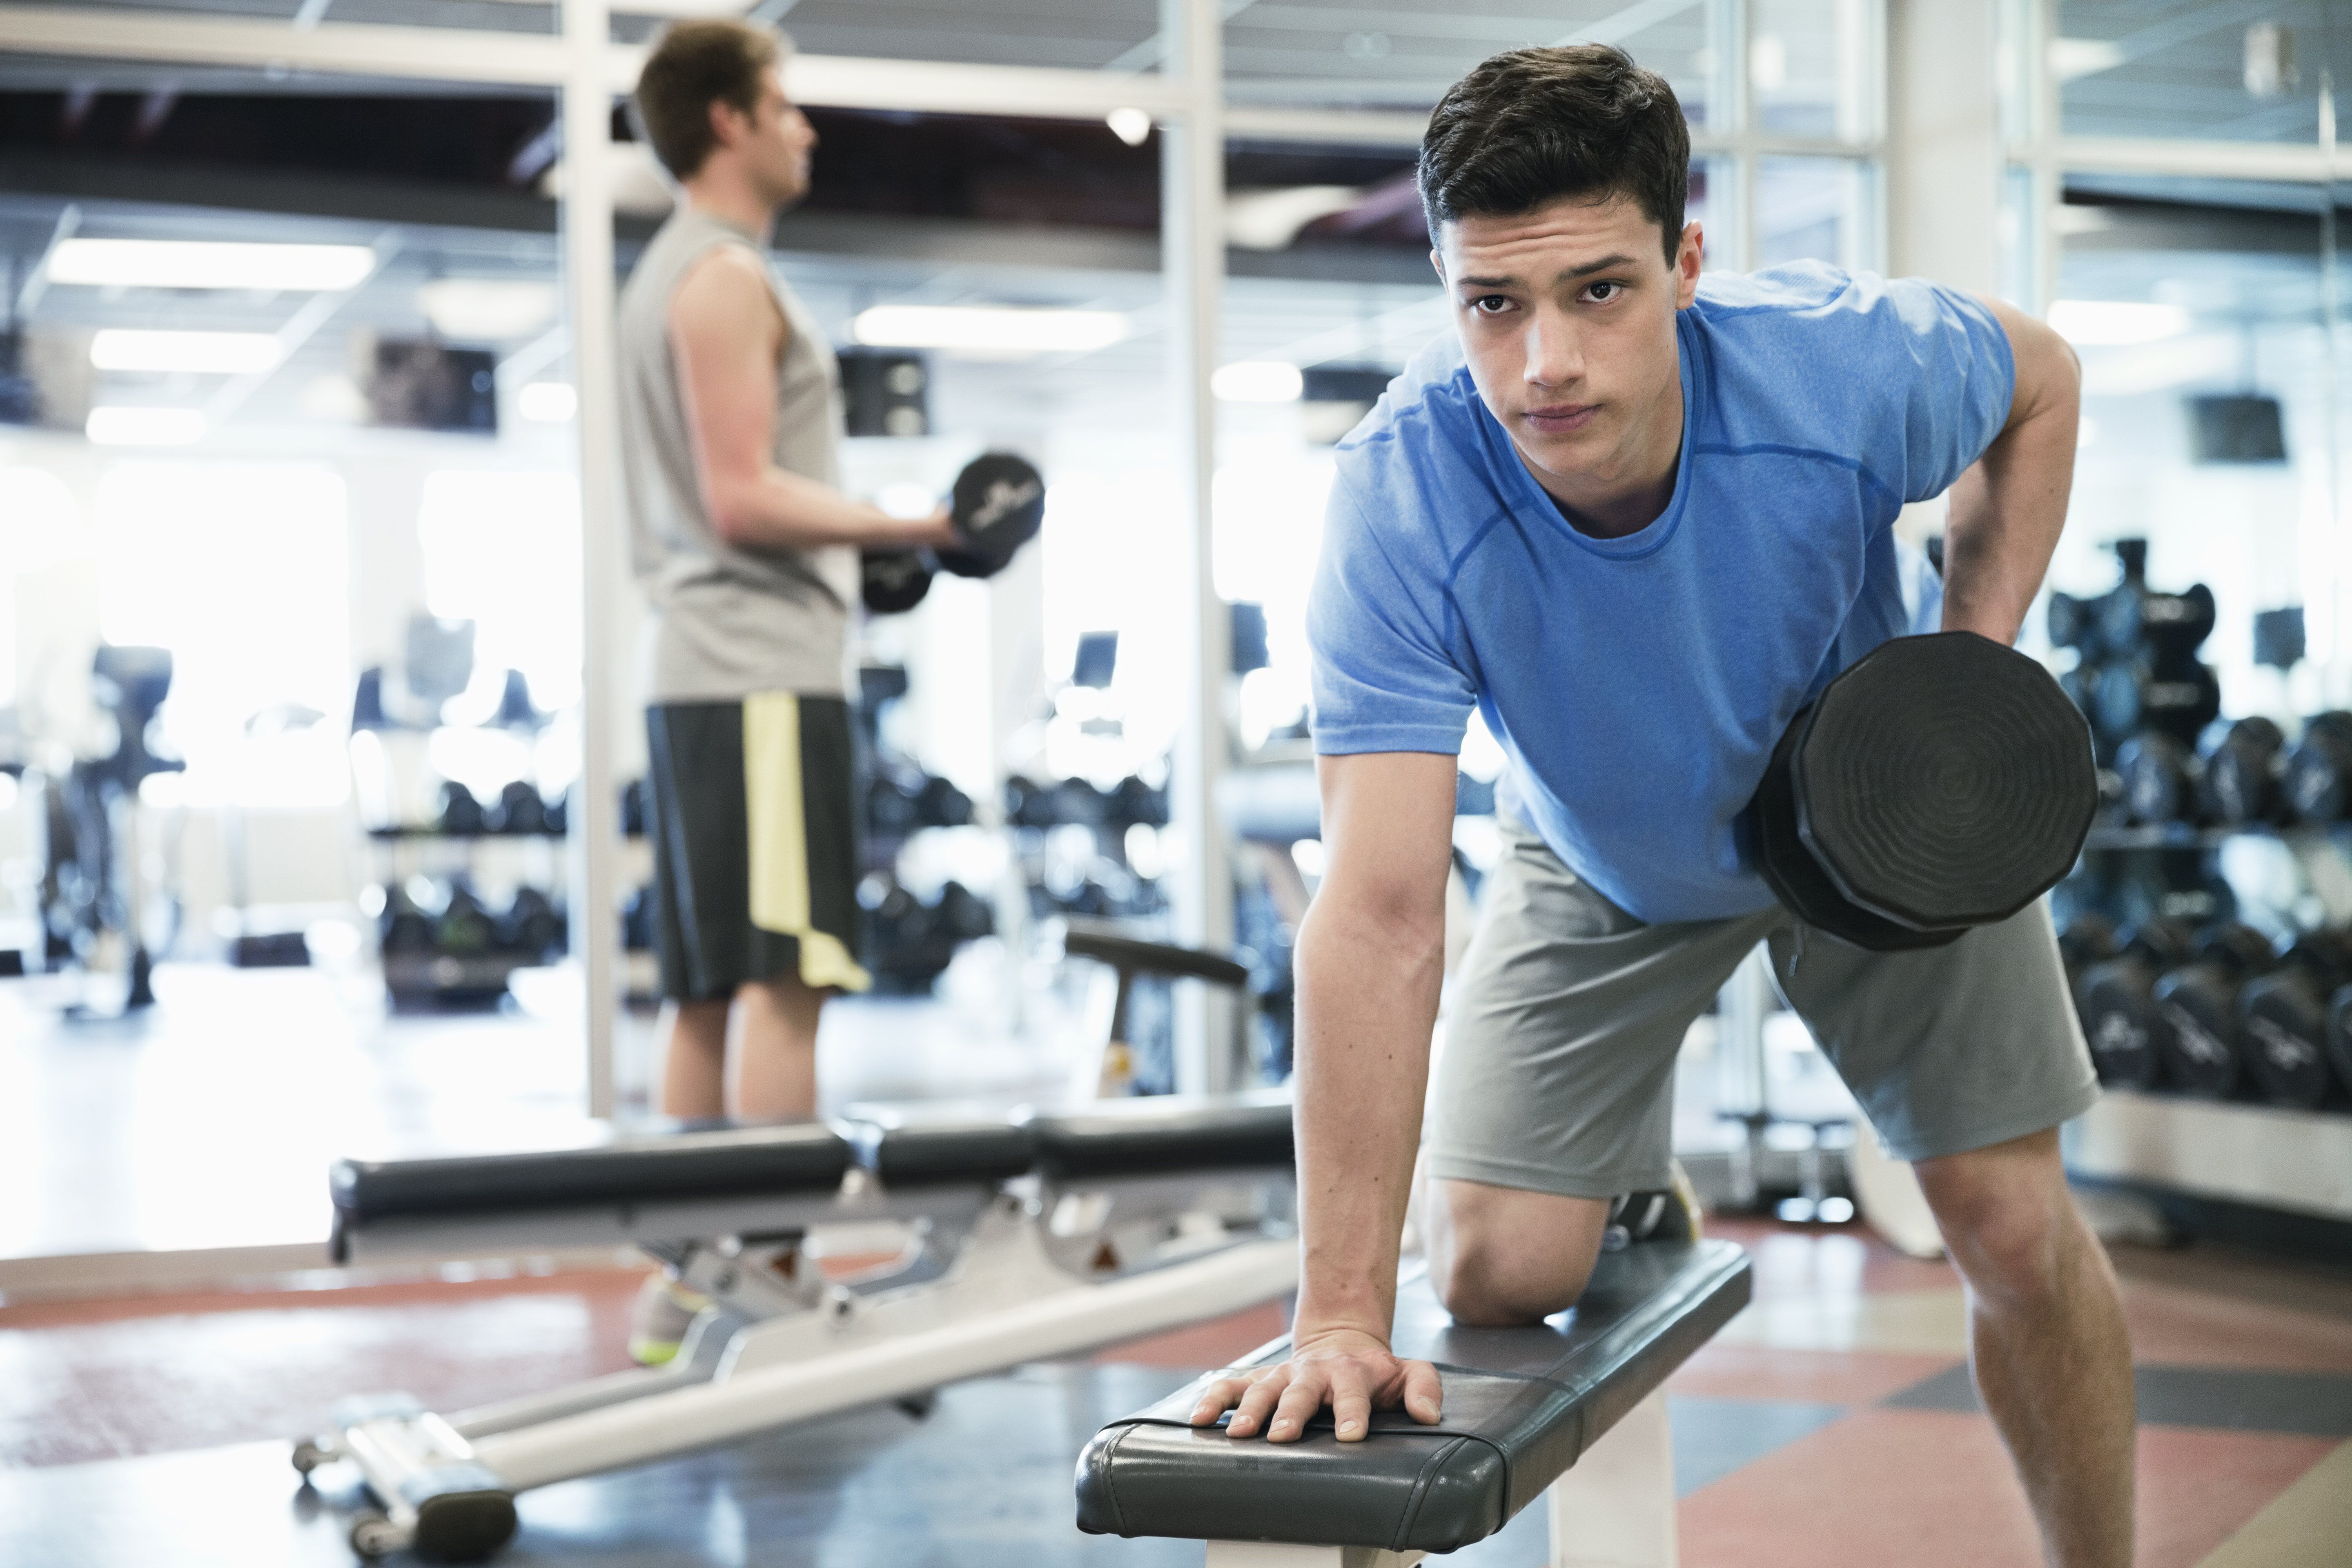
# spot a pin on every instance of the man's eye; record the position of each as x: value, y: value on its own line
x: 1601, y: 293
x: 1491, y: 304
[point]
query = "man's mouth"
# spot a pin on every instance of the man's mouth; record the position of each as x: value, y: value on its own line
x: 1561, y: 418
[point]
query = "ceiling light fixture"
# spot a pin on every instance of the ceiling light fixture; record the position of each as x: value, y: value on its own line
x: 1132, y: 126
x: 989, y: 328
x: 486, y: 309
x: 207, y: 263
x: 196, y: 354
x: 2112, y: 323
x: 117, y: 426
x: 1257, y: 381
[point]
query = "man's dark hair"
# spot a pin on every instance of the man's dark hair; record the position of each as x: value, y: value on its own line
x: 695, y: 65
x: 1529, y: 126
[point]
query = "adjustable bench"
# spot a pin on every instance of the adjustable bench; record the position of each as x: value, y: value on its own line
x: 1572, y: 1408
x: 1029, y: 1236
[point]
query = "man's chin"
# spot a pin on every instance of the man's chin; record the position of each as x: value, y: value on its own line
x: 1576, y: 453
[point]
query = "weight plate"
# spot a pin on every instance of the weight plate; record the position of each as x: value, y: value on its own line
x: 1944, y: 780
x: 998, y: 504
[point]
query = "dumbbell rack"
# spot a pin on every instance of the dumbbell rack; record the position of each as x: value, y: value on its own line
x: 424, y: 975
x: 2238, y: 1151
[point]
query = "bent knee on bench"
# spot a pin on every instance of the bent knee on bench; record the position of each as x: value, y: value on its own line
x: 1501, y: 1256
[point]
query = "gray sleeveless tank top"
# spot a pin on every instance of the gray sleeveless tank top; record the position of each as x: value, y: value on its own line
x: 728, y: 621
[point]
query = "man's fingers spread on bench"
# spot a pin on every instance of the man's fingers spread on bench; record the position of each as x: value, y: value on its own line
x: 1351, y: 1404
x: 1424, y: 1396
x: 1258, y: 1403
x: 1219, y: 1397
x: 1309, y: 1388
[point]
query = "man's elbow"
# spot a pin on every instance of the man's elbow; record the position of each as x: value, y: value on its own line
x: 731, y: 515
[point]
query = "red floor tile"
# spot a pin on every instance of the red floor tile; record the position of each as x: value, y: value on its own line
x: 1928, y: 1489
x: 1814, y: 1378
x: 82, y: 1382
x: 1802, y: 1259
x: 2170, y: 1324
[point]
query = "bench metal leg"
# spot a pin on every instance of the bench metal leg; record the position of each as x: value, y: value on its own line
x: 1273, y: 1554
x: 1615, y: 1508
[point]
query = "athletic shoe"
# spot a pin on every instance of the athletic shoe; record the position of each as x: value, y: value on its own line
x: 1671, y: 1214
x: 658, y: 1325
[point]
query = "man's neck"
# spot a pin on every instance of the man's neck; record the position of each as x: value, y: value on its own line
x: 1614, y: 505
x: 727, y: 196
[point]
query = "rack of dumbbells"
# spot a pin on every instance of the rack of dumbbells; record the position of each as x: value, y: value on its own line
x: 909, y: 939
x: 439, y: 845
x: 2178, y: 995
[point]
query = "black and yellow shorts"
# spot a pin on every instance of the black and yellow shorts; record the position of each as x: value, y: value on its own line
x: 755, y: 844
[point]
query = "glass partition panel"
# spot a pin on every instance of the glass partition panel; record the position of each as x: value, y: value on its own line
x: 1816, y: 209
x: 1808, y: 62
x: 2231, y: 73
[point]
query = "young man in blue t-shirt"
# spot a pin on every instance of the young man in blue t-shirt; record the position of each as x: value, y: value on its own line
x: 1638, y: 519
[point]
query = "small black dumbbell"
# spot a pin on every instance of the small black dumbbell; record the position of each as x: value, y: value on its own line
x: 2198, y: 1005
x: 2118, y: 1003
x: 2282, y: 1021
x: 2318, y: 785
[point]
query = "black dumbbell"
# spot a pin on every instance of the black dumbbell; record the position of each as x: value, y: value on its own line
x: 2116, y: 1001
x: 463, y: 928
x: 2161, y: 779
x: 892, y: 582
x: 2283, y: 1020
x: 637, y: 920
x: 962, y: 913
x: 2318, y: 783
x: 2129, y: 698
x: 2241, y: 773
x: 531, y: 926
x: 1076, y: 801
x: 892, y: 809
x: 1940, y: 782
x: 2075, y: 623
x: 461, y: 814
x: 519, y: 810
x: 2339, y: 1035
x: 997, y: 504
x: 940, y: 804
x: 403, y: 928
x: 2198, y: 1005
x: 1133, y: 802
x: 2164, y: 628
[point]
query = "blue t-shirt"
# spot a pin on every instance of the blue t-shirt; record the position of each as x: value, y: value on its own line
x: 1638, y: 685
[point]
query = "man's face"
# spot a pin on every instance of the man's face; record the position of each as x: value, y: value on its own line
x: 1567, y: 316
x: 775, y: 140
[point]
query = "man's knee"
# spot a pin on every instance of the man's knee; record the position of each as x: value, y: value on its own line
x: 1500, y: 1257
x: 2006, y: 1214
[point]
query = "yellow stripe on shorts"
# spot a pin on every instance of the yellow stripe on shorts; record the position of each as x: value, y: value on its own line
x: 778, y: 824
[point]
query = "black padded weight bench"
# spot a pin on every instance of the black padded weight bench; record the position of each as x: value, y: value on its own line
x: 1571, y: 1410
x: 1030, y: 1235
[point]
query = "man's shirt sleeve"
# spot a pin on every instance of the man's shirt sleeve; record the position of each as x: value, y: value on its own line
x: 1959, y: 380
x: 1385, y: 676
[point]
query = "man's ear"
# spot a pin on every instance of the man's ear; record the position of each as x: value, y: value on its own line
x: 1437, y: 259
x: 1688, y: 255
x: 727, y: 122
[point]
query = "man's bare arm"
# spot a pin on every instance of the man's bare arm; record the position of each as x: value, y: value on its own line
x: 726, y: 333
x: 1369, y: 959
x: 2009, y: 506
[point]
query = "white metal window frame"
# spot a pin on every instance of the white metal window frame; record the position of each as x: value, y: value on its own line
x: 1186, y: 97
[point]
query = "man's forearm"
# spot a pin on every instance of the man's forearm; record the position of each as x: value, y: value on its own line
x: 2009, y: 508
x: 779, y: 509
x: 1367, y: 1002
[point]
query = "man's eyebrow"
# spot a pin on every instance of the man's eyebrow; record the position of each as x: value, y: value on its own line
x: 1605, y: 264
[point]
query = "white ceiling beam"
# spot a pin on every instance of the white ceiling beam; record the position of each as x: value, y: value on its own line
x: 2301, y: 164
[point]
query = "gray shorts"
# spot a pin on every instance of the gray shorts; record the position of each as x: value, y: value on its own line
x: 1558, y: 1073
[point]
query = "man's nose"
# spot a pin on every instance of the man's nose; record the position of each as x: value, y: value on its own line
x: 1555, y: 349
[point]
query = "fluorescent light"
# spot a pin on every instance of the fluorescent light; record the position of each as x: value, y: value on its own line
x: 200, y: 354
x: 1129, y: 125
x: 144, y: 427
x: 1257, y: 381
x: 989, y: 328
x: 487, y: 309
x: 547, y: 402
x: 2107, y: 324
x: 2071, y: 59
x: 207, y: 264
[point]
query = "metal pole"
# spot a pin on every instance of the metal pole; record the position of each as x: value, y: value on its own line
x: 1192, y: 259
x: 595, y: 848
